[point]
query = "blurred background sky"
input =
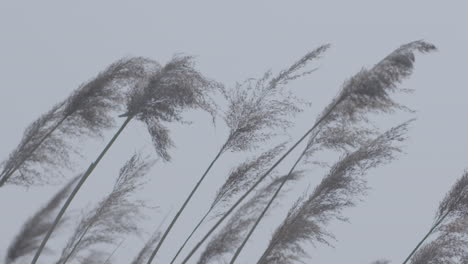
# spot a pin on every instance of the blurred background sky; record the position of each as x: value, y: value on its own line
x: 47, y: 48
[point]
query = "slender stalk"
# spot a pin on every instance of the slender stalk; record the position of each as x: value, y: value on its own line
x: 191, y: 234
x: 9, y: 173
x: 76, y: 244
x: 265, y: 253
x: 77, y: 188
x: 233, y: 259
x: 113, y: 252
x: 425, y: 237
x: 174, y: 220
x: 228, y: 212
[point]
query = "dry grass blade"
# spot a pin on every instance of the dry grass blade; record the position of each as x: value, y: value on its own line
x: 228, y: 238
x: 28, y: 240
x: 309, y: 216
x: 46, y: 147
x: 115, y: 216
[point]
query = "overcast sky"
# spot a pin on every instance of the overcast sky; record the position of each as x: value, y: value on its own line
x: 47, y: 48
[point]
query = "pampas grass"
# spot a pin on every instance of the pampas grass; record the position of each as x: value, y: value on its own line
x: 46, y: 148
x: 160, y: 96
x: 255, y: 110
x: 27, y: 241
x: 239, y: 179
x: 339, y: 189
x: 115, y: 216
x: 368, y: 91
x: 451, y: 223
x: 230, y: 236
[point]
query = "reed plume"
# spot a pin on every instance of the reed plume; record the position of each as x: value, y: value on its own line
x: 160, y: 96
x: 256, y: 109
x: 47, y: 147
x: 230, y: 236
x: 450, y: 247
x: 340, y: 188
x: 115, y: 216
x: 27, y: 241
x: 451, y: 222
x: 368, y: 91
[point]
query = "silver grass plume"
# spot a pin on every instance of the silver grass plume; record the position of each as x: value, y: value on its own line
x: 451, y: 222
x: 165, y: 94
x: 46, y: 147
x: 255, y: 110
x: 340, y: 188
x: 28, y: 240
x: 450, y: 247
x: 229, y: 237
x: 258, y: 108
x: 242, y: 177
x: 344, y: 123
x: 115, y: 216
x: 368, y: 91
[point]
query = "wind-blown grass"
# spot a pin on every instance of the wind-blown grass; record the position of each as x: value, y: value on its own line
x: 368, y: 91
x: 451, y: 222
x: 339, y: 189
x: 161, y: 96
x: 115, y: 216
x: 47, y: 147
x: 27, y: 241
x: 230, y: 236
x: 255, y: 111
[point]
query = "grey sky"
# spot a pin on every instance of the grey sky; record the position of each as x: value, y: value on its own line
x: 49, y: 47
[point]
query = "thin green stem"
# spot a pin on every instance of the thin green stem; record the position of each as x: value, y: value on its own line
x: 174, y: 220
x: 77, y: 188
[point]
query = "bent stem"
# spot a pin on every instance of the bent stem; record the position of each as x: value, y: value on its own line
x: 228, y: 212
x: 77, y: 188
x: 191, y: 234
x: 8, y: 174
x: 426, y: 236
x: 174, y: 220
x: 267, y: 207
x: 113, y: 252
